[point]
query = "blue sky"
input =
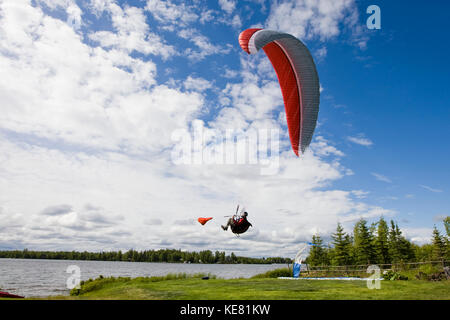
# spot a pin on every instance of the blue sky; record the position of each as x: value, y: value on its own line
x: 92, y: 92
x: 396, y: 97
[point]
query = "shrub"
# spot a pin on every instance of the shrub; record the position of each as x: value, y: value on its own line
x: 393, y: 275
x: 431, y: 273
x: 282, y: 272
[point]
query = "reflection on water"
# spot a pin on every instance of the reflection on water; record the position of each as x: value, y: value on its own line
x: 33, y: 277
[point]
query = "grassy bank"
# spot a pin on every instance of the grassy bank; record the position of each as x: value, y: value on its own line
x: 192, y: 287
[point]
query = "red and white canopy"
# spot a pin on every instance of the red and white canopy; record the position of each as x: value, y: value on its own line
x: 297, y: 76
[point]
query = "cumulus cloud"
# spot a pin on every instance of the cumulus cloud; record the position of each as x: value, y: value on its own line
x: 323, y: 148
x: 132, y: 33
x: 204, y: 47
x: 419, y: 236
x: 321, y: 19
x: 57, y: 210
x: 227, y: 5
x: 168, y: 12
x: 86, y: 140
x: 59, y: 89
x: 197, y: 84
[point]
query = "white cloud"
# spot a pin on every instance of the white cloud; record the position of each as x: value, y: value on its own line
x: 419, y: 236
x: 57, y: 88
x: 431, y: 189
x: 360, y: 193
x: 227, y: 5
x: 167, y: 12
x: 85, y: 142
x: 230, y: 73
x: 145, y: 193
x: 321, y: 53
x: 203, y: 43
x: 323, y: 148
x: 361, y: 141
x: 73, y: 11
x: 381, y: 177
x: 132, y: 33
x: 206, y: 16
x: 236, y: 22
x: 197, y: 84
x: 321, y: 19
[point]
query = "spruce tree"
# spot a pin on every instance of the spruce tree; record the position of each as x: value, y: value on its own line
x: 404, y: 246
x: 447, y: 239
x: 342, y: 247
x: 400, y: 249
x: 447, y: 225
x: 317, y: 254
x: 439, y: 250
x: 382, y: 242
x: 363, y: 242
x: 352, y: 255
x: 393, y: 245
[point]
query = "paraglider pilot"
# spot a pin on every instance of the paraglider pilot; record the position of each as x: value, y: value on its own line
x: 238, y: 224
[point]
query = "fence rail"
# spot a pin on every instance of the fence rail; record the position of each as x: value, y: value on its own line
x: 362, y: 268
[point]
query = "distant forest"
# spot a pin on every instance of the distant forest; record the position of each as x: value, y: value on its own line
x: 378, y: 243
x: 162, y: 255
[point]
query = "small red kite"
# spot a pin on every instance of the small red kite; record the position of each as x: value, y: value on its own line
x: 204, y: 220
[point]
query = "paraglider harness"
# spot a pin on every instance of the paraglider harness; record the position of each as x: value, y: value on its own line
x: 240, y: 223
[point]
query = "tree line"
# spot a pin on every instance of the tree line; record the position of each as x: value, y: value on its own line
x: 161, y: 255
x: 378, y: 243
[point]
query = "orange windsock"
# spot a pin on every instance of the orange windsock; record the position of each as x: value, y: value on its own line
x: 204, y: 220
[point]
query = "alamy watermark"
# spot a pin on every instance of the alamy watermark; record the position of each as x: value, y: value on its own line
x: 374, y: 20
x: 73, y: 282
x: 374, y: 281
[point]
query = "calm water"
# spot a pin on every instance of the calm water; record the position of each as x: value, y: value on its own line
x: 40, y: 278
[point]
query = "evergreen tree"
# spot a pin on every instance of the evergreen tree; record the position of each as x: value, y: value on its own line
x: 423, y: 253
x: 350, y: 240
x: 439, y: 250
x: 381, y: 242
x: 393, y: 245
x: 447, y: 225
x: 317, y: 255
x: 447, y: 239
x: 363, y: 242
x: 400, y: 249
x: 342, y: 247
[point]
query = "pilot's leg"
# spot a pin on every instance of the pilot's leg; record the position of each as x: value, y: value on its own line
x: 230, y: 221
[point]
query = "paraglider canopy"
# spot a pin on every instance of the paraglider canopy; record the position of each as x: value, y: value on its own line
x: 297, y: 77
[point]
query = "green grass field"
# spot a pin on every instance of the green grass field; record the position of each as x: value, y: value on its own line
x: 194, y: 288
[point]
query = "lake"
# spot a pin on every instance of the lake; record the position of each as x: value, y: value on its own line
x: 41, y: 278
